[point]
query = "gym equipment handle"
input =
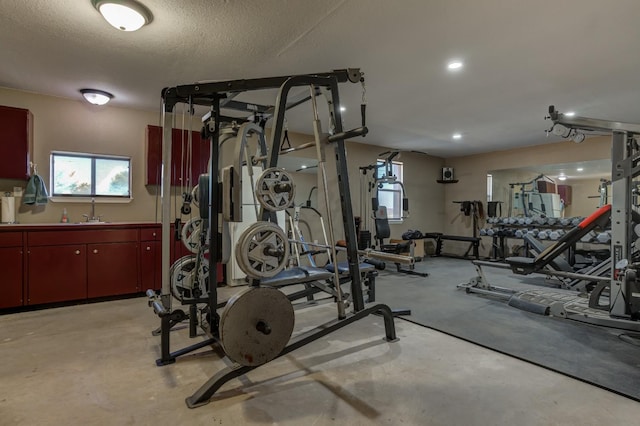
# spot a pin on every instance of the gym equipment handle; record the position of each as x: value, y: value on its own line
x: 360, y: 131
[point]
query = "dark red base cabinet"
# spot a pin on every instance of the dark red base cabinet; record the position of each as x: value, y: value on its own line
x: 57, y: 273
x: 11, y: 267
x: 42, y: 264
x: 112, y: 269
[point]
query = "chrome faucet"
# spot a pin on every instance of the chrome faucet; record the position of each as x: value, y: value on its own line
x: 92, y: 217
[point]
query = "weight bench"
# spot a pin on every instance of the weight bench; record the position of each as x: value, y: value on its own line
x: 474, y: 243
x: 528, y: 265
x: 368, y: 273
x: 313, y: 279
x: 536, y: 247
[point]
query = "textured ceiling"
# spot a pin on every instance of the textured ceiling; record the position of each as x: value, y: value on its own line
x: 520, y: 56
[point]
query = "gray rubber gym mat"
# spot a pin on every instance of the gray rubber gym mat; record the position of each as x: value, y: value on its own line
x: 601, y: 356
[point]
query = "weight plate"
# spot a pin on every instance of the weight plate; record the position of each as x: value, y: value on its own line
x: 256, y: 325
x: 191, y: 234
x: 275, y: 189
x: 182, y: 276
x: 195, y: 196
x: 262, y: 250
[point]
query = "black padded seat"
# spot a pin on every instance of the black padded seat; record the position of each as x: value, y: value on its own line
x: 343, y: 267
x: 522, y: 265
x: 297, y: 275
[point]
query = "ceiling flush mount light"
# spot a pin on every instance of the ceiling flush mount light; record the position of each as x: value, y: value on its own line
x: 125, y: 15
x: 96, y: 97
x: 570, y: 114
x: 454, y: 65
x: 562, y: 177
x: 343, y: 109
x: 579, y: 169
x: 457, y: 136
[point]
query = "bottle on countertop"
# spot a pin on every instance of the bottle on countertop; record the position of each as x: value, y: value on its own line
x: 65, y: 218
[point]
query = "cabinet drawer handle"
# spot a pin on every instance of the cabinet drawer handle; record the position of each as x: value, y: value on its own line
x: 95, y: 250
x: 77, y: 251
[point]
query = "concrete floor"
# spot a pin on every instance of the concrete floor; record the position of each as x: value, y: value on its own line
x: 94, y: 364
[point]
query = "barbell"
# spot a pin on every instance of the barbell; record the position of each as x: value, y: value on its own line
x: 262, y: 251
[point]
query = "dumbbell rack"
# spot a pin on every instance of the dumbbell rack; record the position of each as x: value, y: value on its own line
x: 503, y: 228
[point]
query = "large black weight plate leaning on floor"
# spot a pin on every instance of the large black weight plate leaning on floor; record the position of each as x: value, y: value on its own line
x: 256, y: 325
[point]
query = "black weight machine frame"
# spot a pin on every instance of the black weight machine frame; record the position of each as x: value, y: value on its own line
x: 220, y: 96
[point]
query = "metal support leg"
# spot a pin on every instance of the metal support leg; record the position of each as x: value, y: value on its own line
x: 206, y: 391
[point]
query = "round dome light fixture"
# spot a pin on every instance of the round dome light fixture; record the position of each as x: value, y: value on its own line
x: 96, y: 97
x: 125, y: 15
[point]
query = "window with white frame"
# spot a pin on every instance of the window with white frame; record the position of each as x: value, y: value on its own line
x: 390, y: 194
x: 75, y: 174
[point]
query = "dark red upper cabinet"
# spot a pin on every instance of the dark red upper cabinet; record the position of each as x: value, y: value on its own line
x: 16, y: 142
x: 199, y: 157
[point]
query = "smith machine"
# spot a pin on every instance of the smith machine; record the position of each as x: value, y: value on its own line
x: 615, y: 301
x: 255, y: 326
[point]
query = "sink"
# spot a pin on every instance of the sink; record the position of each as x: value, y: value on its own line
x: 91, y: 223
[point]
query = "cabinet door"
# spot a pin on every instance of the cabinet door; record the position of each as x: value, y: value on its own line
x: 15, y: 142
x: 150, y: 265
x: 57, y: 273
x: 199, y: 156
x: 10, y: 277
x: 112, y: 269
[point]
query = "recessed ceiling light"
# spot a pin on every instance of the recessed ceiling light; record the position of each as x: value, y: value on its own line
x: 342, y: 109
x: 457, y: 136
x: 570, y: 114
x: 579, y: 169
x: 303, y: 166
x: 562, y: 177
x: 125, y: 15
x: 96, y: 97
x: 454, y: 65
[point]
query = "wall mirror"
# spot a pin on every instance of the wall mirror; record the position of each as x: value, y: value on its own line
x: 554, y: 190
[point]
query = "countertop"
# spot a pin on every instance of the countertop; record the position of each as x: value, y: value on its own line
x: 74, y: 226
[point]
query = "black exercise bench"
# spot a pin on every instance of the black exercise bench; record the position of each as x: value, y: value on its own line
x: 528, y: 265
x: 439, y: 238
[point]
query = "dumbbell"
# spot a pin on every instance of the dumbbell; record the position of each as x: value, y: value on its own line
x: 543, y: 235
x: 505, y: 221
x: 533, y: 232
x: 509, y: 232
x: 483, y: 232
x: 556, y: 234
x: 540, y: 220
x: 591, y: 236
x: 576, y: 221
x: 521, y: 220
x: 528, y: 220
x: 566, y: 221
x: 551, y: 220
x: 604, y: 237
x: 512, y: 220
x: 491, y: 231
x: 520, y: 233
x: 636, y: 229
